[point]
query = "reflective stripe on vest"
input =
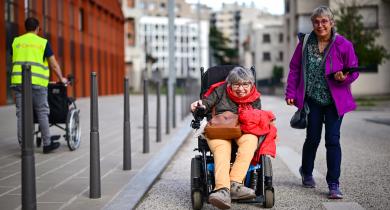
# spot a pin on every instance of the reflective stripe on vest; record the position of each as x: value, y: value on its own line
x: 29, y: 49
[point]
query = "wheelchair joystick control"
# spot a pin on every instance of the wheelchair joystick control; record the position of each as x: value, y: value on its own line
x: 198, y: 114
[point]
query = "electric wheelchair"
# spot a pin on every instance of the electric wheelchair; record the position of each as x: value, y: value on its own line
x: 63, y: 110
x: 259, y: 176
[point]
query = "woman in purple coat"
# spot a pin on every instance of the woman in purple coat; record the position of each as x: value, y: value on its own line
x: 315, y: 78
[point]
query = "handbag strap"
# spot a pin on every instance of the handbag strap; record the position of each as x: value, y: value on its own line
x: 304, y: 42
x: 304, y: 61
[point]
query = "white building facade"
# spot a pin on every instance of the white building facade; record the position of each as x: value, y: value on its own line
x: 153, y: 36
x: 264, y: 45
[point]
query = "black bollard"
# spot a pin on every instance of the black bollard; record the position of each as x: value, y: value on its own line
x: 29, y: 200
x: 174, y: 107
x: 158, y: 118
x: 146, y: 116
x: 94, y: 170
x: 167, y: 114
x: 126, y: 128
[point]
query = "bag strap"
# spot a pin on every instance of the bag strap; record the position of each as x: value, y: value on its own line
x: 304, y: 42
x: 303, y: 61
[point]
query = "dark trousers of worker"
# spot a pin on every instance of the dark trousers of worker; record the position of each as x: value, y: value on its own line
x: 323, y: 115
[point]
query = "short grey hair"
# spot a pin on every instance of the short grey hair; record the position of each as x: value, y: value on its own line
x: 322, y: 11
x: 240, y: 74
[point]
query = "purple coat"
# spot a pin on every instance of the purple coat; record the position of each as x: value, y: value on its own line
x: 341, y: 55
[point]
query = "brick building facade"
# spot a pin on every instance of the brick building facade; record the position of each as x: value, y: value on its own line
x: 85, y: 35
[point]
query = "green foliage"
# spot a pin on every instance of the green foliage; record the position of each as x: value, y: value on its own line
x: 277, y: 74
x: 349, y: 24
x: 220, y: 51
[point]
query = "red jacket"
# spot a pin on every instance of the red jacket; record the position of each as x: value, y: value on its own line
x: 258, y: 122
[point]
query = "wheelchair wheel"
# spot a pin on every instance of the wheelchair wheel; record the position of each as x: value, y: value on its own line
x: 196, y: 183
x: 269, y: 198
x: 197, y: 200
x: 269, y: 194
x: 73, y: 131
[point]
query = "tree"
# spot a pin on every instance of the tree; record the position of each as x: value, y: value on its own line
x: 220, y: 51
x: 349, y: 24
x: 277, y: 75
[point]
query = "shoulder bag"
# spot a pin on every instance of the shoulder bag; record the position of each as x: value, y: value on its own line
x: 223, y: 126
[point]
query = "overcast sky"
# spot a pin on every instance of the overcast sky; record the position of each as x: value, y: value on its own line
x: 273, y: 6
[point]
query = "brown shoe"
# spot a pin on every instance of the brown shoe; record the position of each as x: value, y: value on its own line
x: 239, y: 191
x: 220, y: 198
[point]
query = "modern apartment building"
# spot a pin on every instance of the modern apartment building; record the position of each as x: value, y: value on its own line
x: 229, y: 19
x: 153, y: 36
x: 85, y: 35
x: 297, y: 19
x: 147, y: 33
x: 263, y: 46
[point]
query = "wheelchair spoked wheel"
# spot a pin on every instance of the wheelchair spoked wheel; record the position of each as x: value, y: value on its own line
x: 269, y: 194
x: 73, y: 131
x: 196, y: 183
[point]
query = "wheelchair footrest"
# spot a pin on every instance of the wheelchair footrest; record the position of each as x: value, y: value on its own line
x: 258, y: 199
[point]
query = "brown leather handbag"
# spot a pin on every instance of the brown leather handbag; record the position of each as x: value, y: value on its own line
x: 223, y: 126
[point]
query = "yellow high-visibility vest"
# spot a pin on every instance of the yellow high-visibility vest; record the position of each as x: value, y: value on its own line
x: 29, y: 49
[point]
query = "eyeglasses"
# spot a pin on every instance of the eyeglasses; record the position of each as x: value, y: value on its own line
x: 317, y: 23
x: 244, y: 85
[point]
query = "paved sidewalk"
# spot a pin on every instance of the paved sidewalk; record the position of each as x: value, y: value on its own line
x: 62, y: 178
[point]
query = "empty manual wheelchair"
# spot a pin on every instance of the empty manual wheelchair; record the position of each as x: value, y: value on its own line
x: 259, y: 175
x: 63, y: 110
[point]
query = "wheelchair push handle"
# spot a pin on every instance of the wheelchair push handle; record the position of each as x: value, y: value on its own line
x: 70, y: 81
x: 198, y: 114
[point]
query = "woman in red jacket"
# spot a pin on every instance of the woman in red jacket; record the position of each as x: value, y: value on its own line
x: 238, y: 95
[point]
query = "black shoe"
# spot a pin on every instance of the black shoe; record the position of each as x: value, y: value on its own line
x: 49, y: 148
x: 55, y: 138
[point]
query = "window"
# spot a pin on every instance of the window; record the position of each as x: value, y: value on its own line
x: 60, y: 17
x: 10, y: 11
x: 280, y: 56
x: 370, y: 16
x: 287, y: 6
x: 266, y: 56
x: 29, y: 8
x: 131, y: 32
x: 81, y: 20
x: 266, y: 38
x: 280, y: 37
x: 46, y: 18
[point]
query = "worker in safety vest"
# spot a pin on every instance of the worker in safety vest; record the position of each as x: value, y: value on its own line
x: 35, y: 51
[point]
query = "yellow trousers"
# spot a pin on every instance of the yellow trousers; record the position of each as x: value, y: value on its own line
x: 222, y: 149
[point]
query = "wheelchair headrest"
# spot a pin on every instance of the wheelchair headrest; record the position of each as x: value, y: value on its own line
x: 216, y: 74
